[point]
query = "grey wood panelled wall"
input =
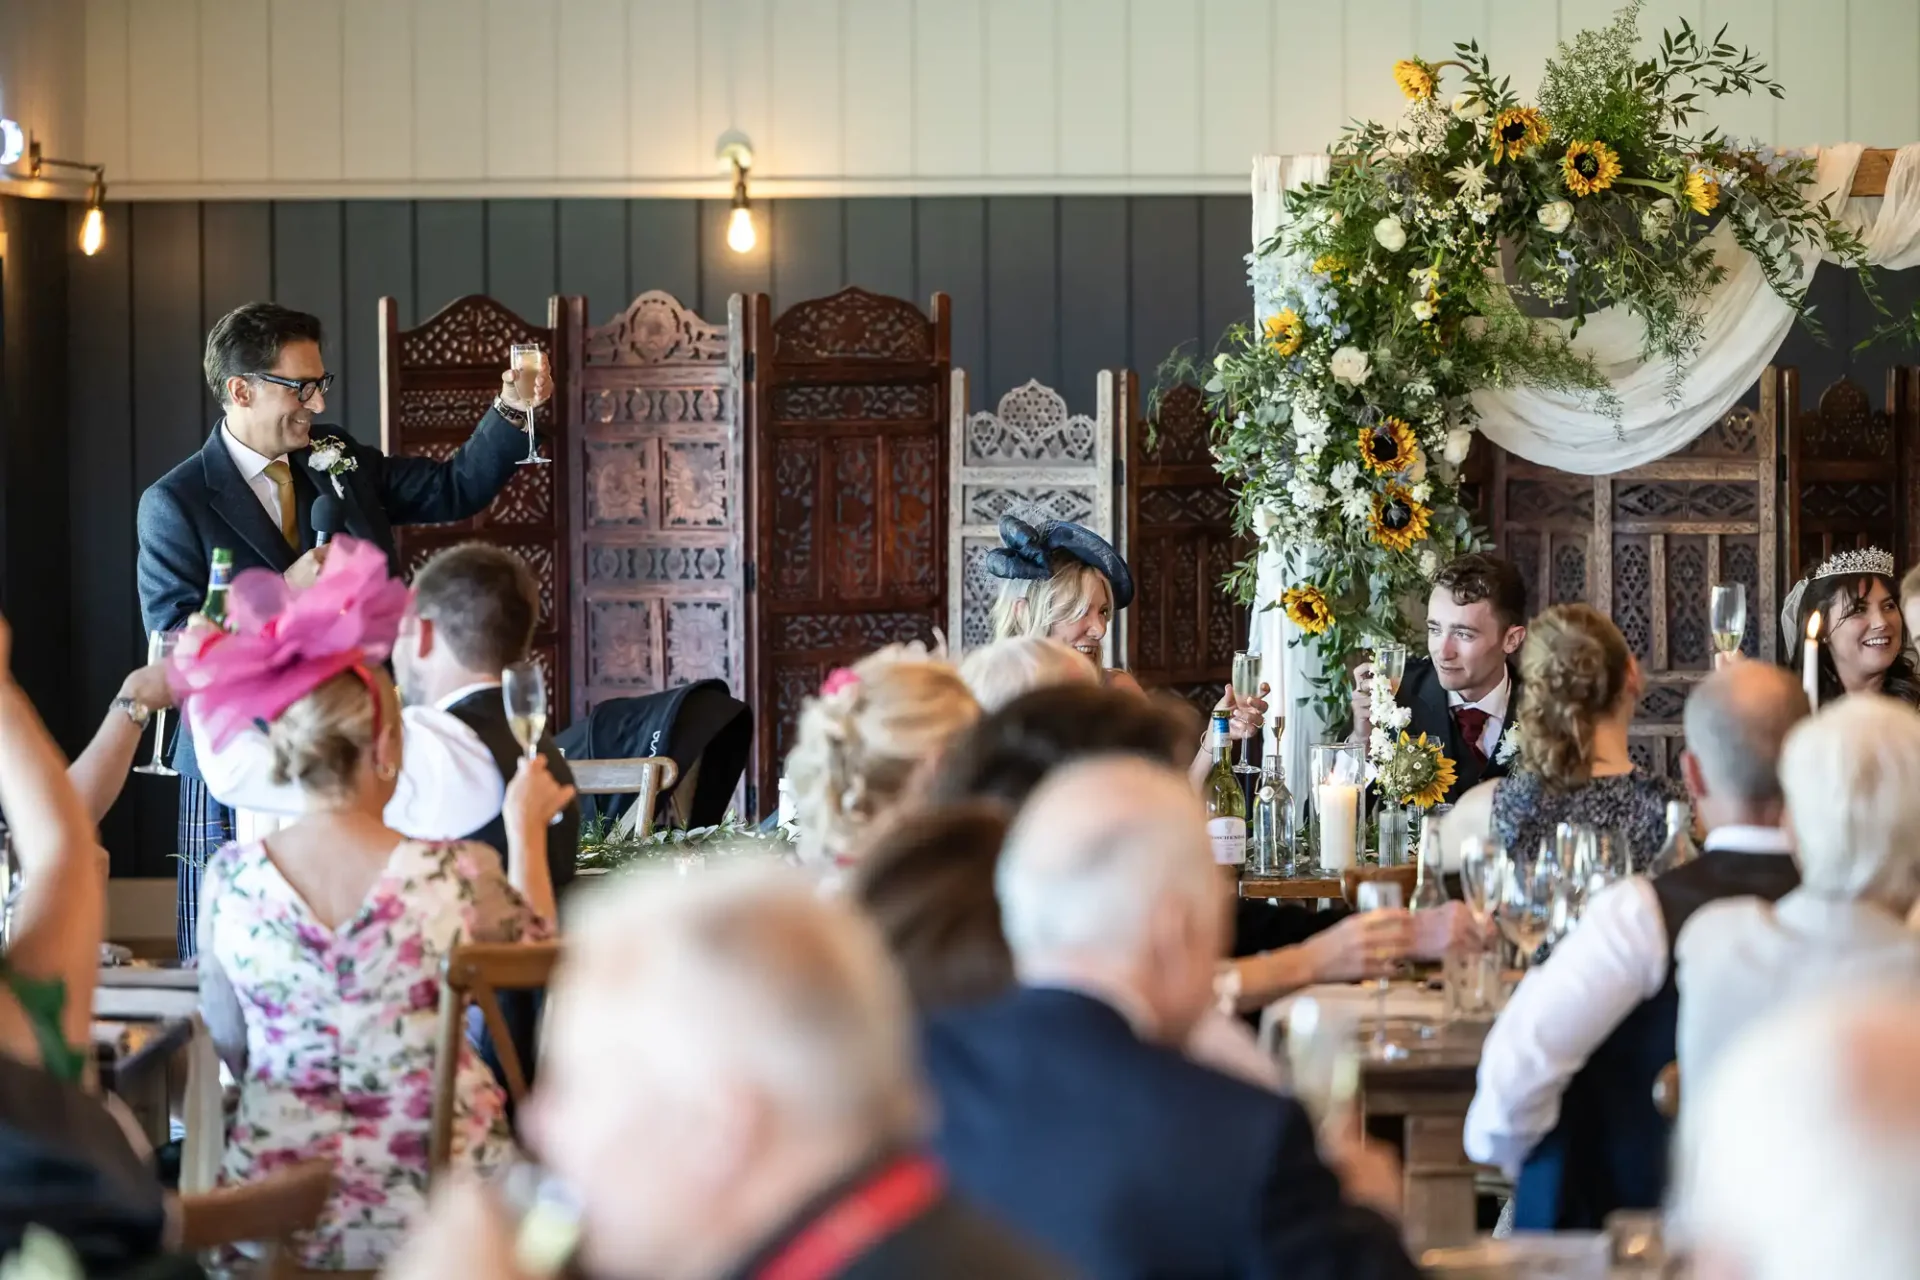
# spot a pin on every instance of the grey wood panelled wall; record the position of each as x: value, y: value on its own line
x: 1042, y: 287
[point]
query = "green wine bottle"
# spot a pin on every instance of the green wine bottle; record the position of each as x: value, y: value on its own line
x: 1226, y: 806
x: 218, y: 580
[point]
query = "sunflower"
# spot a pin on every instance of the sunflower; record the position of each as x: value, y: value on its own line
x: 1307, y: 606
x: 1414, y: 77
x: 1701, y: 191
x: 1387, y: 446
x: 1589, y: 167
x: 1516, y: 131
x: 1329, y: 264
x: 1443, y: 772
x: 1285, y: 333
x: 1398, y: 520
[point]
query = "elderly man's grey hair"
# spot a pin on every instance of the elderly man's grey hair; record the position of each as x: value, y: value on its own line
x: 1002, y: 671
x: 1852, y: 780
x: 1736, y: 721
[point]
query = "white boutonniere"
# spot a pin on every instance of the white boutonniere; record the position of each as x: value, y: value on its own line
x: 329, y: 455
x: 1509, y: 749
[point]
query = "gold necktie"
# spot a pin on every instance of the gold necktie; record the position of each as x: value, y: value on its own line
x: 282, y: 478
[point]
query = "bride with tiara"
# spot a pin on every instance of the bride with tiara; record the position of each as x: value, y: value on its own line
x: 1863, y: 642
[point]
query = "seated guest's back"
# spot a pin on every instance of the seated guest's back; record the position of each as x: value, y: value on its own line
x: 1852, y: 781
x: 1066, y: 1107
x: 1800, y: 1157
x: 1565, y: 1096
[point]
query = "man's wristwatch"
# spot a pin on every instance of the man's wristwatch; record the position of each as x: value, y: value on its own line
x: 518, y: 417
x: 134, y: 710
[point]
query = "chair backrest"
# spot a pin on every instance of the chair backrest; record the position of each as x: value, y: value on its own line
x: 474, y: 972
x: 644, y: 777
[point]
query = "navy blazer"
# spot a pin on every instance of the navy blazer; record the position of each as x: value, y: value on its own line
x: 1132, y: 1162
x: 204, y: 503
x: 1422, y: 692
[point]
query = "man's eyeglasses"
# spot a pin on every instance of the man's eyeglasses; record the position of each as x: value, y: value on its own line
x: 302, y: 389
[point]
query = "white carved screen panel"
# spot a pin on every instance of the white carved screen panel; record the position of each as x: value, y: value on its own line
x: 1029, y: 457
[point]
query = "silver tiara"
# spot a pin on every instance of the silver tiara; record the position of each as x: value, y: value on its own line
x: 1850, y: 563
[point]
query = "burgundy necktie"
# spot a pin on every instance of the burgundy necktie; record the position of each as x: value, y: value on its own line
x: 1473, y: 723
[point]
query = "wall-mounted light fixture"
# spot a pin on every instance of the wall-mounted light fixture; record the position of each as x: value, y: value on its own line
x: 736, y: 153
x: 93, y: 227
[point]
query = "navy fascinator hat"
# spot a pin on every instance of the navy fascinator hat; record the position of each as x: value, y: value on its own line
x: 1026, y: 552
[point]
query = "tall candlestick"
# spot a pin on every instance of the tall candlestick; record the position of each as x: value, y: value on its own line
x: 1810, y: 661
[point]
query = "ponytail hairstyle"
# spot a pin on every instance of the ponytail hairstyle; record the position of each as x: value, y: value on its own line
x: 861, y: 739
x: 1575, y: 665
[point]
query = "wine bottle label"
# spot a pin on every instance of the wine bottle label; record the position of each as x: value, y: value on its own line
x: 1229, y: 836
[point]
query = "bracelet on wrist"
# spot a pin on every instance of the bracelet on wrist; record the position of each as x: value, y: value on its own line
x: 518, y: 417
x: 133, y: 710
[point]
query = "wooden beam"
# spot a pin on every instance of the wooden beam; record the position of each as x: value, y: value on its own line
x: 1870, y: 179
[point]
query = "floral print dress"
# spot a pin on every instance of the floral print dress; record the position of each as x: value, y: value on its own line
x: 340, y: 1031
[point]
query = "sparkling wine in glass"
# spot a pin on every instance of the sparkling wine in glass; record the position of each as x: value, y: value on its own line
x: 1727, y: 616
x: 1246, y: 684
x: 525, y: 690
x: 527, y: 361
x: 1380, y: 895
x: 1482, y: 870
x: 1390, y: 664
x: 1531, y: 892
x: 159, y: 649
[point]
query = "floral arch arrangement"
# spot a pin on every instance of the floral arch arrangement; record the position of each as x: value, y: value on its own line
x: 1420, y: 271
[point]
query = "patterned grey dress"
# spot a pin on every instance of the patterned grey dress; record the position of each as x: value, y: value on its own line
x: 1526, y: 810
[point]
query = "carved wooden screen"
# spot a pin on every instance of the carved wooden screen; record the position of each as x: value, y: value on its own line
x: 1853, y: 471
x: 1645, y: 547
x: 1030, y: 458
x: 848, y: 467
x: 1179, y: 542
x: 435, y: 383
x: 654, y: 461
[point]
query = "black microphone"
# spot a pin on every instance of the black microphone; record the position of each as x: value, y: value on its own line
x: 327, y: 516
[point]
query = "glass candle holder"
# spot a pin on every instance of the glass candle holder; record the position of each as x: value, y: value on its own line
x: 1338, y: 787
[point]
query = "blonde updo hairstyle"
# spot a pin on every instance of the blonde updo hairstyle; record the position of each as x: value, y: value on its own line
x: 1576, y: 668
x: 321, y: 740
x: 857, y: 747
x: 1035, y: 606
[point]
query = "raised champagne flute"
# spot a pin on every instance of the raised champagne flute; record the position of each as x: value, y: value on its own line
x: 1727, y: 616
x: 1380, y: 895
x: 524, y: 688
x: 527, y: 362
x: 1246, y: 684
x: 1390, y: 664
x: 159, y: 648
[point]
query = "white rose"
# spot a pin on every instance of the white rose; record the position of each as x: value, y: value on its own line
x: 1459, y: 441
x: 1423, y: 310
x: 1345, y: 476
x: 1391, y: 235
x: 1265, y: 520
x: 323, y: 459
x: 1350, y: 367
x: 1555, y: 217
x: 1469, y: 107
x: 1429, y: 564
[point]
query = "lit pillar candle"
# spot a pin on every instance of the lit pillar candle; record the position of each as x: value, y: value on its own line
x: 1810, y: 661
x: 1339, y: 804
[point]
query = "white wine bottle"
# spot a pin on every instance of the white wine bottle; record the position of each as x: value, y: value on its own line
x: 1226, y: 806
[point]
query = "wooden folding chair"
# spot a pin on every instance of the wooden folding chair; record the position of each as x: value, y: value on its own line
x: 642, y: 777
x: 474, y: 973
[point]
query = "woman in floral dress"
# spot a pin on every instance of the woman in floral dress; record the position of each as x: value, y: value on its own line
x: 321, y: 945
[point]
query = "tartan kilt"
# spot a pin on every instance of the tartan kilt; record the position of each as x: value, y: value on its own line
x: 206, y: 827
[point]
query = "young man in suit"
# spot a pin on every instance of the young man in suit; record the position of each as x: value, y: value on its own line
x: 1464, y: 692
x: 1068, y: 1108
x: 251, y: 489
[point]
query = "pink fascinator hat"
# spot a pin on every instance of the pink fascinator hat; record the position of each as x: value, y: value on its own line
x: 285, y: 643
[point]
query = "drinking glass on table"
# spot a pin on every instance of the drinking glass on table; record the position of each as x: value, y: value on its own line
x: 527, y: 362
x: 1530, y: 893
x: 1380, y: 895
x: 1246, y: 684
x: 159, y: 648
x: 1727, y: 616
x: 1322, y: 1060
x: 1482, y: 868
x: 525, y: 689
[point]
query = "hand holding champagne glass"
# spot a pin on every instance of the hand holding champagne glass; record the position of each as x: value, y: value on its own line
x: 1390, y: 664
x: 1380, y: 895
x: 1246, y: 686
x: 525, y: 690
x: 528, y: 364
x: 1727, y: 616
x: 159, y: 647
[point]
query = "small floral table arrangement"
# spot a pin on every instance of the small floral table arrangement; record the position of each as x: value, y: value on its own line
x: 1409, y: 770
x: 604, y: 848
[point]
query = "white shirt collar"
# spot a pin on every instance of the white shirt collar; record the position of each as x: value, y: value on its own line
x: 465, y: 691
x: 251, y: 463
x: 1742, y: 838
x: 1495, y: 703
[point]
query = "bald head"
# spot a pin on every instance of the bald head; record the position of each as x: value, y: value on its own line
x: 1800, y: 1156
x: 1736, y: 720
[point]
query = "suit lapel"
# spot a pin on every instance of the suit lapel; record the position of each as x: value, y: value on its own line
x: 354, y: 516
x: 237, y: 504
x: 305, y: 490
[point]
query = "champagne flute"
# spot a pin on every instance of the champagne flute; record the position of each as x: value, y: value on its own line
x: 1390, y: 664
x: 1727, y: 614
x: 1526, y: 906
x: 527, y: 362
x: 1246, y: 684
x: 1380, y: 895
x: 524, y: 688
x: 159, y: 648
x: 1482, y: 868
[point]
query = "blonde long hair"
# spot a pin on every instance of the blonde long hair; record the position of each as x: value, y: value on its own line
x: 1575, y: 665
x: 1035, y: 606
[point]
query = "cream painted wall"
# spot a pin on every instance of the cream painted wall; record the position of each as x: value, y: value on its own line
x: 290, y: 98
x: 43, y: 72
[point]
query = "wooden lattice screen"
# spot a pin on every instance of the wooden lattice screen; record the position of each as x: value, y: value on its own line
x: 1853, y: 471
x: 846, y: 400
x: 654, y: 456
x: 1645, y: 546
x: 435, y: 383
x: 1179, y: 542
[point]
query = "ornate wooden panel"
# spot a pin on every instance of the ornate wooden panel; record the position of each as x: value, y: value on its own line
x: 1646, y: 546
x: 1178, y: 539
x: 1029, y: 458
x: 1853, y: 471
x: 847, y: 400
x: 654, y: 461
x: 435, y: 383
